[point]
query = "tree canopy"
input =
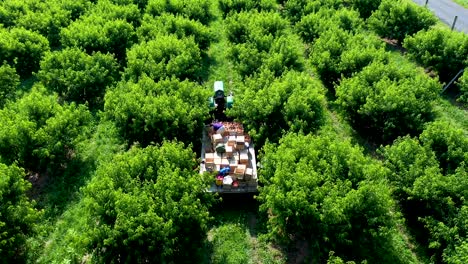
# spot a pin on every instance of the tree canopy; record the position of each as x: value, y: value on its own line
x: 443, y: 50
x: 338, y: 53
x: 401, y: 18
x: 17, y: 213
x: 385, y: 101
x: 164, y: 57
x: 154, y: 27
x: 325, y: 191
x: 77, y: 76
x: 9, y: 81
x: 38, y: 133
x: 150, y: 199
x: 269, y: 107
x: 148, y: 111
x: 23, y: 49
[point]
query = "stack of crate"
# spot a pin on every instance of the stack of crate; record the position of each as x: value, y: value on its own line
x: 236, y: 155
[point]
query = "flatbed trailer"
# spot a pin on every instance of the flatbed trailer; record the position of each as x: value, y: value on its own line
x: 236, y: 156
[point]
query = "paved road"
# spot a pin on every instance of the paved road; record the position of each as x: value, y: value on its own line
x: 446, y: 10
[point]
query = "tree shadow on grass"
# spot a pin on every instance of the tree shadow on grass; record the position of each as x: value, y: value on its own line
x: 55, y: 190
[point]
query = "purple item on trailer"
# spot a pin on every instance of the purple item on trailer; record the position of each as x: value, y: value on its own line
x: 217, y: 126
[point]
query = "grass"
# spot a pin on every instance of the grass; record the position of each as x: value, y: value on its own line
x: 463, y: 3
x: 236, y: 234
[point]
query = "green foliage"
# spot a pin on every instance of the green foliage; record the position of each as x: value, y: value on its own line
x: 295, y: 10
x: 459, y: 255
x: 200, y: 10
x: 401, y: 18
x: 449, y: 143
x: 261, y: 42
x: 337, y: 54
x: 163, y: 57
x: 11, y: 10
x: 269, y: 107
x: 231, y: 245
x: 443, y: 210
x: 23, y: 12
x: 47, y: 18
x: 110, y: 11
x: 44, y: 17
x: 95, y: 33
x: 431, y: 183
x: 463, y: 85
x: 9, y: 80
x: 408, y: 160
x: 39, y: 134
x: 154, y: 27
x: 77, y: 76
x: 259, y: 28
x: 148, y: 111
x: 325, y: 191
x: 229, y: 7
x: 147, y: 199
x: 365, y: 7
x: 310, y: 27
x: 441, y: 49
x: 385, y: 101
x: 17, y: 215
x: 22, y: 49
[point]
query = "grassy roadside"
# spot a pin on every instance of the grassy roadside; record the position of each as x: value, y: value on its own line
x: 463, y: 3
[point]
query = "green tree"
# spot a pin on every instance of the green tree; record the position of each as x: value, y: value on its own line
x: 440, y: 49
x: 77, y: 76
x: 260, y: 41
x: 432, y: 197
x: 153, y: 27
x: 449, y: 143
x: 9, y: 80
x: 47, y: 18
x: 11, y: 10
x: 401, y: 18
x: 324, y: 190
x: 310, y: 27
x: 258, y: 28
x: 17, y: 214
x: 295, y: 10
x: 338, y: 54
x: 148, y: 199
x: 385, y: 101
x: 200, y: 10
x: 115, y: 11
x: 408, y: 160
x: 269, y: 107
x: 153, y: 111
x: 165, y: 56
x: 40, y: 134
x: 22, y: 49
x: 443, y: 210
x: 96, y: 33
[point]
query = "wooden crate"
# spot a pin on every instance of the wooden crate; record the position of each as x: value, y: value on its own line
x: 217, y: 138
x: 248, y: 174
